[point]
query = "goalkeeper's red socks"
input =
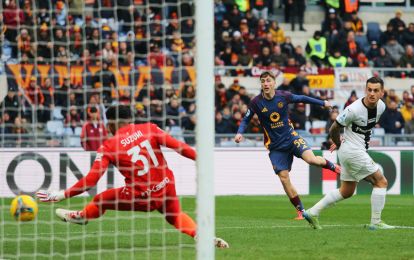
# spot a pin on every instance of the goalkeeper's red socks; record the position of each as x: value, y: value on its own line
x: 92, y: 211
x: 184, y: 223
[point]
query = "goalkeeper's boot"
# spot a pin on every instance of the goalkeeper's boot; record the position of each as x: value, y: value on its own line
x: 380, y: 225
x: 220, y: 243
x: 313, y: 220
x: 299, y: 216
x: 71, y: 216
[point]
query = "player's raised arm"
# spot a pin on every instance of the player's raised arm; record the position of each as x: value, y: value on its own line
x: 170, y: 142
x: 243, y: 124
x: 98, y: 169
x: 335, y: 134
x: 309, y: 100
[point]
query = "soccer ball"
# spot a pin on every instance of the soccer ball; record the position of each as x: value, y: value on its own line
x: 23, y: 208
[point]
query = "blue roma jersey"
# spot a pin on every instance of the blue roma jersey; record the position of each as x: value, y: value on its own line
x: 274, y: 118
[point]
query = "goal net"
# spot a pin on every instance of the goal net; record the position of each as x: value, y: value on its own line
x: 63, y: 63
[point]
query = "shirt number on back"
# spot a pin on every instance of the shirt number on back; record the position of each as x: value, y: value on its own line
x: 136, y: 156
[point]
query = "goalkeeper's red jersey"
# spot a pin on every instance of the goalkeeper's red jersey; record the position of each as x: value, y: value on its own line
x: 136, y: 151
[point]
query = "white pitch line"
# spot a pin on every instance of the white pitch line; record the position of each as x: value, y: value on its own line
x: 173, y: 230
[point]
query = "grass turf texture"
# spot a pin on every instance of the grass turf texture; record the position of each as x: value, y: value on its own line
x: 256, y: 227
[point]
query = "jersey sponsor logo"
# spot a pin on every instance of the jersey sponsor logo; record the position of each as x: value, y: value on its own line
x: 155, y: 188
x: 131, y: 138
x: 264, y: 110
x: 274, y: 117
x: 280, y: 104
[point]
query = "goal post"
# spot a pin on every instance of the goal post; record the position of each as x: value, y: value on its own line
x: 204, y: 17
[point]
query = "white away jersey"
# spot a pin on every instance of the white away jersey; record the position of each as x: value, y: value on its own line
x: 358, y: 121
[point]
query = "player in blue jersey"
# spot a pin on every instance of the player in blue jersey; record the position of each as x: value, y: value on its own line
x: 282, y: 141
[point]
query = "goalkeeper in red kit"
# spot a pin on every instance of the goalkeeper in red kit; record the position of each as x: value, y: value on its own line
x: 135, y: 149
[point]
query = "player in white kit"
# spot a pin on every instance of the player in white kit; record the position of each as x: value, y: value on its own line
x: 358, y: 119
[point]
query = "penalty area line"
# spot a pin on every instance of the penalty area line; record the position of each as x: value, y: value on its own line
x: 217, y: 228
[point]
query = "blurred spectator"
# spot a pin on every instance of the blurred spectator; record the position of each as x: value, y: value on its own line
x: 234, y: 17
x: 337, y: 60
x: 392, y: 120
x: 287, y: 47
x: 251, y: 19
x: 261, y: 29
x: 331, y: 6
x: 36, y: 101
x: 278, y: 35
x: 278, y: 57
x: 254, y: 126
x: 285, y: 85
x: 318, y: 112
x: 48, y: 93
x: 220, y: 97
x: 24, y: 44
x: 62, y: 95
x: 20, y: 137
x: 362, y: 60
x: 173, y: 112
x: 387, y: 35
x: 298, y: 55
x: 298, y: 116
x: 349, y: 7
x: 188, y: 97
x: 397, y: 23
x: 11, y: 104
x: 44, y: 45
x: 61, y: 12
x: 394, y: 49
x: 300, y: 81
x: 383, y: 60
x: 222, y: 125
x: 265, y: 58
x: 219, y: 10
x: 409, y: 126
x: 374, y: 51
x: 407, y: 36
x: 259, y: 8
x: 252, y: 45
x: 351, y: 48
x: 93, y: 131
x: 236, y: 42
x: 406, y: 97
x: 407, y: 110
x: 245, y: 58
x: 332, y: 24
x: 156, y: 114
x: 357, y: 24
x: 243, y: 95
x: 6, y: 124
x: 407, y: 59
x: 72, y: 120
x: 298, y: 11
x: 104, y: 81
x: 351, y: 99
x: 316, y: 49
x: 12, y: 17
x: 391, y: 97
x: 233, y: 89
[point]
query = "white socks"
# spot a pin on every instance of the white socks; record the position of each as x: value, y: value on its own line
x: 377, y: 204
x: 329, y: 199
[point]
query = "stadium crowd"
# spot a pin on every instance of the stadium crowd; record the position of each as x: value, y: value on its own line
x: 113, y: 33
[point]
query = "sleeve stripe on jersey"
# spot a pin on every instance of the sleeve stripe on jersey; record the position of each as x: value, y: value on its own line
x: 339, y: 123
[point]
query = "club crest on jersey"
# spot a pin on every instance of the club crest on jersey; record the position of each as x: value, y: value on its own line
x: 264, y: 110
x: 274, y: 117
x: 280, y: 104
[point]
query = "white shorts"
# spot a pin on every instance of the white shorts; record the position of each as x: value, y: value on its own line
x: 355, y: 164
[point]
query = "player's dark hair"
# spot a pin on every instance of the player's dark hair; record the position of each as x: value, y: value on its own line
x: 375, y: 80
x: 267, y: 74
x: 116, y: 112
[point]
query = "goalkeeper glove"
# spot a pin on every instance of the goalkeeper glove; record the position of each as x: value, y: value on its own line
x: 50, y: 196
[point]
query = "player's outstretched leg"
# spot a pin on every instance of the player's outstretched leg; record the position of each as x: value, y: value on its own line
x: 291, y: 193
x: 378, y: 201
x: 71, y: 216
x: 309, y: 157
x: 312, y: 219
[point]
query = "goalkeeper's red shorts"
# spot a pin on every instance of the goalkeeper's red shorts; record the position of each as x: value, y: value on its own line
x: 124, y: 200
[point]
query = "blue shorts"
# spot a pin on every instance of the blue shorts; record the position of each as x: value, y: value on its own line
x: 283, y: 159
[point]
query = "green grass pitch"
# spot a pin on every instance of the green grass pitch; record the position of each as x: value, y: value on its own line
x: 256, y: 227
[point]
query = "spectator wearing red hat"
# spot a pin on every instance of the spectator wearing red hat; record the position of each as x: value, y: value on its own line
x: 93, y: 131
